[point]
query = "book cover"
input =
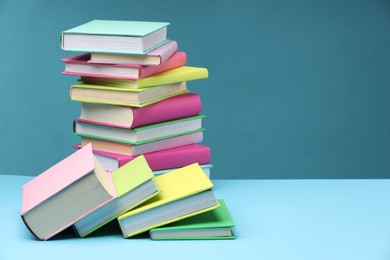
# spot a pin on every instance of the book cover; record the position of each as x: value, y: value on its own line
x: 160, y: 160
x: 180, y: 74
x: 79, y: 66
x: 136, y: 37
x: 180, y: 106
x: 79, y: 176
x: 175, y: 186
x: 133, y: 184
x: 153, y: 58
x: 214, y: 224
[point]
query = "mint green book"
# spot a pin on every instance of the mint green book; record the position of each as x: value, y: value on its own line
x: 214, y: 224
x: 134, y: 184
x: 109, y: 36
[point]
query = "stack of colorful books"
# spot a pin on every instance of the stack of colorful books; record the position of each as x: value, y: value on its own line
x: 134, y: 97
x: 139, y: 160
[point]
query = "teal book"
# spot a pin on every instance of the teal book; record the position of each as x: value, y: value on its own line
x: 214, y: 224
x: 109, y: 36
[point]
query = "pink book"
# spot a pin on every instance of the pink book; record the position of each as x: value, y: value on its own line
x: 46, y: 197
x: 160, y: 160
x: 177, y: 107
x: 155, y: 57
x: 79, y: 66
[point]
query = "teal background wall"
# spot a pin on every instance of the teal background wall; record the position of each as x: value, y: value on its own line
x: 297, y: 89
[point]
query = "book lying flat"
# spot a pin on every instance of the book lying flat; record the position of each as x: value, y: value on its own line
x: 65, y: 193
x: 214, y: 224
x: 176, y: 107
x: 205, y: 168
x: 180, y: 74
x: 124, y: 96
x: 79, y: 66
x: 115, y: 36
x: 137, y: 149
x: 184, y: 193
x: 142, y: 134
x: 133, y: 184
x: 153, y: 58
x: 160, y: 160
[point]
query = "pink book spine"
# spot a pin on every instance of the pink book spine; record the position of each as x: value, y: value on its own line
x: 166, y: 159
x: 164, y: 51
x: 176, y: 60
x: 181, y: 106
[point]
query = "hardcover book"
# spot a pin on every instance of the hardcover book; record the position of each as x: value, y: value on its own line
x: 79, y: 66
x: 142, y: 148
x: 184, y: 193
x: 141, y: 134
x: 160, y: 160
x: 180, y: 74
x: 133, y: 184
x: 65, y: 193
x: 214, y: 224
x: 100, y: 94
x: 176, y: 107
x: 132, y: 37
x: 156, y: 57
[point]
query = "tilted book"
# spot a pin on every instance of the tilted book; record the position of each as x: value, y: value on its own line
x: 65, y: 193
x: 133, y: 184
x: 145, y: 147
x: 133, y: 37
x: 100, y: 94
x: 176, y: 107
x: 79, y: 66
x: 160, y: 160
x: 206, y: 168
x: 184, y: 193
x: 153, y: 58
x: 214, y: 224
x: 180, y: 74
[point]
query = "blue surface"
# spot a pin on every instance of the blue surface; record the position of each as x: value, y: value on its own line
x: 275, y: 219
x: 299, y: 87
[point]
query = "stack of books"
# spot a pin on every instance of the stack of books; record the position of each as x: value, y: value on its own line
x: 134, y: 97
x: 139, y: 161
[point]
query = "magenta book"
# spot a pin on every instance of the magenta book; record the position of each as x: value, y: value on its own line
x: 177, y: 107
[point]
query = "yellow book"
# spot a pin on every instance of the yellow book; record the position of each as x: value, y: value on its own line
x: 185, y: 192
x: 180, y: 74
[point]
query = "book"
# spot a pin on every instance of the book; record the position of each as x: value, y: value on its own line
x: 79, y: 66
x: 180, y: 74
x: 133, y: 184
x: 115, y: 36
x: 153, y: 58
x: 142, y: 148
x: 64, y: 193
x: 214, y: 224
x: 160, y: 160
x: 184, y: 193
x: 176, y: 107
x: 142, y: 134
x: 124, y: 96
x: 205, y: 168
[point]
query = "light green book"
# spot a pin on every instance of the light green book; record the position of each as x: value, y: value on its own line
x: 100, y: 94
x: 215, y: 224
x: 140, y: 135
x: 134, y: 184
x: 127, y: 37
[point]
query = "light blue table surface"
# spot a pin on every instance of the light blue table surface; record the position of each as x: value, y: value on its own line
x: 275, y: 219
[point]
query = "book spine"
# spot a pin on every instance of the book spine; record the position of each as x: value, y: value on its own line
x: 181, y: 106
x: 176, y: 60
x: 165, y: 51
x: 174, y: 158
